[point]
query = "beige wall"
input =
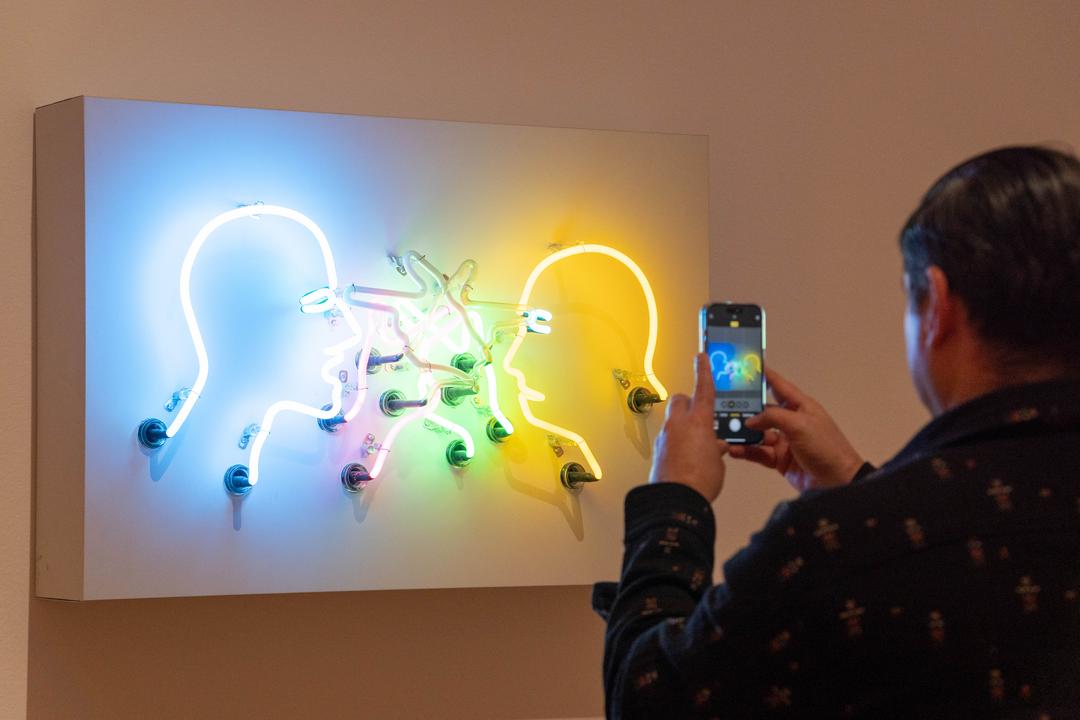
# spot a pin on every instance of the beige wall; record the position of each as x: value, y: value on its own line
x: 826, y: 121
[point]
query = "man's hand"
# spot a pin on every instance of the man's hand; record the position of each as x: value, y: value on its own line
x: 801, y: 442
x: 687, y: 450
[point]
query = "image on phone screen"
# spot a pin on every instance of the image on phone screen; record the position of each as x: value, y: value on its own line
x: 734, y: 342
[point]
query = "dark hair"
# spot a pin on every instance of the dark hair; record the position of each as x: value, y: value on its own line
x: 1004, y: 227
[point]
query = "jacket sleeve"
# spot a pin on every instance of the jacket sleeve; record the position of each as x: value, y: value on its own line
x: 676, y: 645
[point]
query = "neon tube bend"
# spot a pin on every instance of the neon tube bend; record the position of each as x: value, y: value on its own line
x: 247, y: 211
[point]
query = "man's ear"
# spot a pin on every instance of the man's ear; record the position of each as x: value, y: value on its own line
x: 940, y: 312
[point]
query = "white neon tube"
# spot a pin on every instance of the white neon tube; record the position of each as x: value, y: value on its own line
x: 527, y: 394
x: 431, y: 413
x: 493, y: 400
x: 329, y: 374
x: 468, y: 266
x: 407, y: 262
x: 247, y: 211
x: 388, y: 442
x: 466, y: 287
x: 407, y: 351
x: 470, y: 447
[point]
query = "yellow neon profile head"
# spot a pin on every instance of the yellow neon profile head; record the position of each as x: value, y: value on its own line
x: 643, y: 363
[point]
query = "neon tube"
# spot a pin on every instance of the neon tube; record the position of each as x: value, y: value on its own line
x: 317, y: 301
x: 444, y: 336
x: 527, y: 394
x: 470, y: 267
x: 337, y: 357
x: 499, y: 328
x: 430, y: 413
x: 423, y: 365
x: 388, y: 443
x: 361, y: 369
x: 407, y: 262
x: 247, y: 211
x: 466, y: 287
x: 470, y: 447
x: 493, y: 400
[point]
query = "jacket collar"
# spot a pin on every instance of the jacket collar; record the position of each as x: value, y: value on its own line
x: 1038, y: 407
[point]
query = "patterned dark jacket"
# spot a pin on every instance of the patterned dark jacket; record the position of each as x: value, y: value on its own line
x: 945, y: 584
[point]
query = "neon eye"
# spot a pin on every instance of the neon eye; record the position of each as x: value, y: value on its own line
x: 316, y: 301
x: 535, y: 320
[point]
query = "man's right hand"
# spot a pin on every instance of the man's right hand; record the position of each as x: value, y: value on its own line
x: 801, y: 441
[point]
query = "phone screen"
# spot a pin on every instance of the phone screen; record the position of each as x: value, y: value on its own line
x: 734, y: 338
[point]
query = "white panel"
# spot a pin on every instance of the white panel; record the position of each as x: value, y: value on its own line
x: 160, y: 523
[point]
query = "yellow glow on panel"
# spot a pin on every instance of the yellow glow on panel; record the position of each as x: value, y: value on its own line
x: 527, y: 394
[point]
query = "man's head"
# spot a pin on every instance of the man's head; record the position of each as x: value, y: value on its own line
x: 992, y: 271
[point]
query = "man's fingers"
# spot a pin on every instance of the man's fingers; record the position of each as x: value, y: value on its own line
x: 787, y: 421
x: 704, y: 390
x: 677, y: 404
x: 771, y: 437
x: 782, y: 450
x: 756, y: 454
x: 784, y: 390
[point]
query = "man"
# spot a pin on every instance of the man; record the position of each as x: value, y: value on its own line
x: 944, y: 584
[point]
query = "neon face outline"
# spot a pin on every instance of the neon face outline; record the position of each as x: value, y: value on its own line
x: 528, y: 394
x: 335, y: 352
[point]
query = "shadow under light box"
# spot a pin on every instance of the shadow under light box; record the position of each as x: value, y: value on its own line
x: 288, y: 352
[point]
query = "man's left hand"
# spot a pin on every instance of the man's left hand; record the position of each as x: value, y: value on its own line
x: 687, y: 450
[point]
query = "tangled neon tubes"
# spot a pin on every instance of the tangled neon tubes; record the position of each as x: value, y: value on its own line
x: 421, y: 322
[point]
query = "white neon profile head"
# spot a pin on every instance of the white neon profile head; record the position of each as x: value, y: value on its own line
x: 326, y: 300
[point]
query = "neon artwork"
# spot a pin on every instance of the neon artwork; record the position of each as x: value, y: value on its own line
x: 362, y: 361
x: 436, y: 316
x: 527, y: 394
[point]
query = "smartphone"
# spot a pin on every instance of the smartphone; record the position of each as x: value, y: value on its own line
x: 733, y: 335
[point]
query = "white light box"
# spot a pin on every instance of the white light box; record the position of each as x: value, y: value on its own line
x: 288, y: 351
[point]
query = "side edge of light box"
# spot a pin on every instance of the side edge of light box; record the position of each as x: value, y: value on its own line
x: 60, y: 348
